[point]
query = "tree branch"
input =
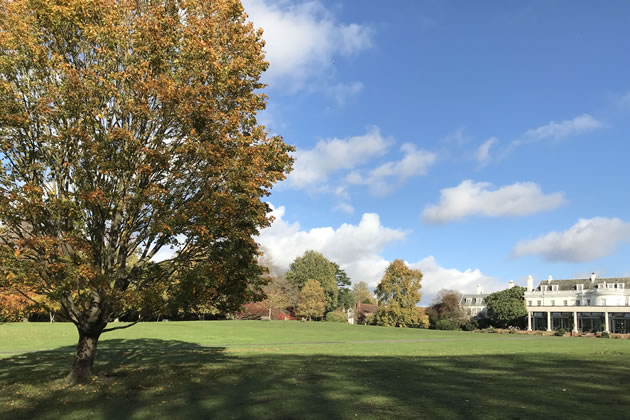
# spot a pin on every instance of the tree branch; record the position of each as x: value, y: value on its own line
x: 121, y: 328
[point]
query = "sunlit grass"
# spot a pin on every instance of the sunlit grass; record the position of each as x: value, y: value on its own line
x: 238, y: 369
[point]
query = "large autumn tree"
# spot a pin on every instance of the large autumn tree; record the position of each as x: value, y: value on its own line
x: 398, y: 293
x: 128, y: 127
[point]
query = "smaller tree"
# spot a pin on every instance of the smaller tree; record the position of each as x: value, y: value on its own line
x: 507, y: 308
x: 312, y: 300
x: 362, y: 293
x: 280, y: 294
x: 446, y: 307
x: 398, y: 294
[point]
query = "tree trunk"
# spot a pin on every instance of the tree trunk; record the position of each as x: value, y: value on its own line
x: 84, y: 359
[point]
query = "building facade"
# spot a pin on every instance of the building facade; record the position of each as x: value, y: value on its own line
x: 579, y: 305
x: 474, y: 304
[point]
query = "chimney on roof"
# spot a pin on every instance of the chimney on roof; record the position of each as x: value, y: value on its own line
x: 549, y: 278
x: 479, y: 291
x: 530, y: 283
x: 593, y: 277
x: 510, y: 284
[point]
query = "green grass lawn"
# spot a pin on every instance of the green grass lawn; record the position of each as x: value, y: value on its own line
x: 285, y: 370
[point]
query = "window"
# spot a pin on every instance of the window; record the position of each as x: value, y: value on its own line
x: 588, y: 302
x: 478, y: 301
x: 604, y: 302
x: 620, y: 286
x: 577, y: 302
x: 600, y: 286
x: 554, y: 287
x: 566, y: 303
x: 539, y: 303
x: 543, y: 288
x: 610, y: 286
x: 529, y: 303
x: 579, y: 287
x: 553, y: 303
x: 469, y: 300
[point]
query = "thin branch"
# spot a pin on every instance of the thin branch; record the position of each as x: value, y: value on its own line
x: 121, y: 328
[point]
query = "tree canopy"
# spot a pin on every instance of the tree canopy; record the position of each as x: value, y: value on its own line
x: 398, y: 293
x: 314, y: 266
x: 507, y: 307
x: 446, y: 307
x: 127, y: 128
x: 312, y: 300
x: 362, y: 293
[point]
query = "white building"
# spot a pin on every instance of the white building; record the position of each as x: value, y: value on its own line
x: 579, y: 305
x: 474, y: 304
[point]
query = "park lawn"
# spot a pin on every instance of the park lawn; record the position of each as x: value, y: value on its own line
x: 284, y: 370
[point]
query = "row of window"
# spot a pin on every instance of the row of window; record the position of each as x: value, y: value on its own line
x: 578, y: 302
x: 565, y: 302
x: 478, y: 301
x: 580, y: 287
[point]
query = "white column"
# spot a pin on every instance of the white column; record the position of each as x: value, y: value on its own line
x: 606, y: 327
x: 529, y: 321
x: 548, y: 321
x: 575, y: 323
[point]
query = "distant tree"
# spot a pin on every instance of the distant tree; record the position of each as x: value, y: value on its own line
x: 279, y: 294
x: 398, y: 293
x: 362, y: 293
x: 314, y: 266
x: 446, y: 307
x: 312, y: 300
x: 345, y: 298
x: 507, y: 308
x: 342, y: 278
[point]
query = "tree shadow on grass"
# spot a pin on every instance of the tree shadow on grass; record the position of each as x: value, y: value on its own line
x: 146, y: 378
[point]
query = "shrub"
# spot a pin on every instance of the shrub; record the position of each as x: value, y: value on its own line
x: 446, y: 324
x: 491, y: 330
x: 605, y: 335
x: 560, y: 332
x: 470, y: 325
x: 336, y: 317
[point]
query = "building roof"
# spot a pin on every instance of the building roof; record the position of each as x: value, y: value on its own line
x: 366, y: 308
x: 570, y: 284
x: 483, y: 296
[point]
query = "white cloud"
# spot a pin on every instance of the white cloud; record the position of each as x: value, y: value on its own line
x: 558, y: 130
x: 385, y: 177
x: 483, y: 152
x: 587, y: 240
x: 458, y: 138
x: 303, y: 39
x: 342, y: 92
x: 345, y: 207
x: 312, y: 167
x: 356, y: 248
x: 479, y: 198
x: 435, y: 278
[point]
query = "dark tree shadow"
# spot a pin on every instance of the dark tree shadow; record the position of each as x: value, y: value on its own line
x: 147, y: 378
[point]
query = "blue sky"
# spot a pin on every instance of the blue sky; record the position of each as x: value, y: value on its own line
x: 479, y: 141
